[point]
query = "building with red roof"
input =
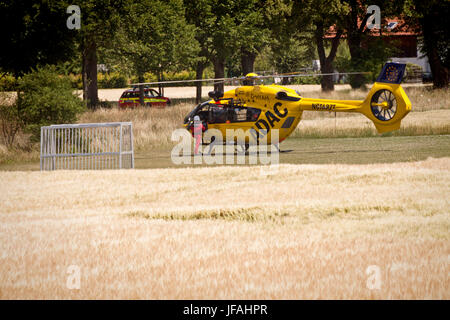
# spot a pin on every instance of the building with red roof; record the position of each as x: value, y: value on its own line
x: 405, y: 38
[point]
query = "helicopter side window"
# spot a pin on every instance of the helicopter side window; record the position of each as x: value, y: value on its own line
x: 218, y: 114
x: 239, y: 114
x: 253, y: 114
x: 243, y: 114
x: 225, y: 113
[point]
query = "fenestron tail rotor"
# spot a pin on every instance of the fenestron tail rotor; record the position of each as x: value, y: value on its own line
x: 383, y: 105
x: 387, y: 103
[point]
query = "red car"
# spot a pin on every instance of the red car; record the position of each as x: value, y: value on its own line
x: 130, y: 98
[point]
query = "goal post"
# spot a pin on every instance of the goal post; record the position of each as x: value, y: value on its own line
x: 87, y: 146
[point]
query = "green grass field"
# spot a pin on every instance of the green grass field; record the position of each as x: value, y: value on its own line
x: 314, y: 151
x: 337, y: 150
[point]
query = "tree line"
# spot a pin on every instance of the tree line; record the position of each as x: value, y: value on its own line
x: 158, y: 36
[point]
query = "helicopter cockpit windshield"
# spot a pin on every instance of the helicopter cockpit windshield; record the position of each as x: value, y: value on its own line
x: 200, y: 110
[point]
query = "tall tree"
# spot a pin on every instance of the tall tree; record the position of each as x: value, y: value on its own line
x: 326, y: 19
x: 290, y: 30
x: 99, y: 22
x: 199, y: 14
x: 252, y: 32
x: 432, y: 18
x: 224, y: 36
x: 333, y: 20
x: 33, y: 34
x: 227, y: 29
x: 156, y: 38
x: 326, y: 61
x: 358, y: 33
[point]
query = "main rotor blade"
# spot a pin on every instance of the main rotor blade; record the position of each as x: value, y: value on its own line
x: 184, y: 81
x: 221, y: 80
x: 306, y: 75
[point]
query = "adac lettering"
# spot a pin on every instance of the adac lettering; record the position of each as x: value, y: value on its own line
x: 263, y: 126
x: 275, y: 108
x: 322, y: 106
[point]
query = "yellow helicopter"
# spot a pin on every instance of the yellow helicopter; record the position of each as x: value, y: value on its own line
x: 259, y: 109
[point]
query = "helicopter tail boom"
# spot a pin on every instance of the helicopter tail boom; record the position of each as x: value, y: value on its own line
x: 385, y: 105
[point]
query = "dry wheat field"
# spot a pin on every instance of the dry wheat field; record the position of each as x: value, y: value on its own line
x: 292, y: 232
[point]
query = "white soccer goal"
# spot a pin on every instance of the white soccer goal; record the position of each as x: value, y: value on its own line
x: 90, y: 146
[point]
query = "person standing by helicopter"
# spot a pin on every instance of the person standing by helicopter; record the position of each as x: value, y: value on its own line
x: 198, y: 131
